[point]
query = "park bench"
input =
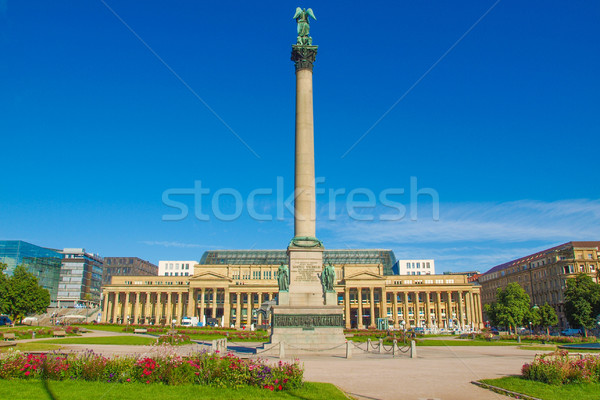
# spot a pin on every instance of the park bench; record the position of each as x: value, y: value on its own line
x: 140, y: 330
x: 59, y: 334
x: 9, y: 336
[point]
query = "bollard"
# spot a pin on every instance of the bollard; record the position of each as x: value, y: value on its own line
x: 413, y: 349
x: 33, y: 335
x: 213, y: 347
x: 348, y: 348
x: 225, y: 345
x: 394, y: 348
x: 281, y: 350
x: 368, y: 344
x: 380, y: 346
x: 519, y: 339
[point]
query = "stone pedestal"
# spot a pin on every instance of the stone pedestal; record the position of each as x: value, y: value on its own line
x: 307, y: 320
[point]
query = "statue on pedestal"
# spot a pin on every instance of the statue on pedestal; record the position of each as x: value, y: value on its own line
x: 328, y: 278
x: 283, y: 278
x: 302, y: 17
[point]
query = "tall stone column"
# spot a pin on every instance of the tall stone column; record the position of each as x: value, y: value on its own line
x: 105, y: 306
x: 215, y: 293
x: 360, y: 324
x: 126, y: 308
x: 226, y: 308
x: 148, y: 308
x: 136, y: 304
x: 304, y: 203
x: 395, y: 310
x: 347, y: 308
x: 461, y: 319
x: 372, y: 306
x: 449, y: 309
x: 191, y: 302
x: 249, y: 310
x: 238, y: 310
x: 468, y: 306
x: 428, y: 310
x: 383, y: 304
x: 202, y: 293
x: 438, y: 309
x: 169, y: 310
x: 417, y: 312
x: 405, y: 310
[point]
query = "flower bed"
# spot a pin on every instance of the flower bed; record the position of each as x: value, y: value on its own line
x: 40, y: 332
x: 202, y: 369
x: 559, y: 368
x: 174, y: 339
x: 541, y: 338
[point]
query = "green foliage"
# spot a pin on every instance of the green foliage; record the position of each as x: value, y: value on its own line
x: 510, y: 308
x: 3, y: 290
x: 582, y: 301
x: 548, y: 316
x: 539, y: 390
x: 226, y: 371
x: 559, y: 368
x: 23, y: 294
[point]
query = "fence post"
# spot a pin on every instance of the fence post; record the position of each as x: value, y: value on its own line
x: 380, y: 346
x: 348, y: 348
x: 368, y: 344
x: 281, y: 350
x: 413, y: 349
x: 213, y: 346
x: 394, y: 345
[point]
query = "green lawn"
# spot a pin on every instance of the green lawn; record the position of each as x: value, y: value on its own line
x: 32, y: 346
x: 122, y: 340
x: 462, y: 342
x: 583, y: 391
x: 538, y: 348
x: 68, y: 390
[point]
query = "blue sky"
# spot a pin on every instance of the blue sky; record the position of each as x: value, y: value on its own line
x: 492, y: 105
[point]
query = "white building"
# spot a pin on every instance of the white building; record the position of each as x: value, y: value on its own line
x: 176, y: 268
x: 415, y: 267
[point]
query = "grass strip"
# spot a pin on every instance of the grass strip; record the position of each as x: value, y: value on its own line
x: 75, y: 390
x: 117, y: 340
x: 579, y: 391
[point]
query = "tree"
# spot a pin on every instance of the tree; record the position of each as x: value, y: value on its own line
x: 548, y: 317
x: 25, y: 295
x: 582, y: 302
x: 510, y: 308
x: 3, y: 289
x: 532, y: 317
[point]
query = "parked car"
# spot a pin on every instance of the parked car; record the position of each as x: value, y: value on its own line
x: 571, y: 332
x: 4, y: 320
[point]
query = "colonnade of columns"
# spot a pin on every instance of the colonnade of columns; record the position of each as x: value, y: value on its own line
x: 162, y: 307
x: 411, y: 308
x: 402, y: 308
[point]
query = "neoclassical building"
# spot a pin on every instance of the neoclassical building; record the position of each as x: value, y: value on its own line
x: 544, y: 274
x: 231, y: 285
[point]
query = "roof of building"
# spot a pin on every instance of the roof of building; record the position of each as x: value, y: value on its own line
x: 276, y: 257
x: 542, y: 254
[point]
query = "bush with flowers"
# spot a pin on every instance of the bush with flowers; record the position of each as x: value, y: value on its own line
x: 200, y: 368
x: 559, y: 368
x: 175, y: 339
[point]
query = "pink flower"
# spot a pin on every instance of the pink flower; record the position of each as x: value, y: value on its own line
x: 27, y: 373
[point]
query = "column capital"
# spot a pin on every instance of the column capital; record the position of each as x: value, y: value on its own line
x: 304, y: 56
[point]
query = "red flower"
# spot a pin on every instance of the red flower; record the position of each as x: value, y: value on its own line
x: 27, y: 373
x: 280, y: 387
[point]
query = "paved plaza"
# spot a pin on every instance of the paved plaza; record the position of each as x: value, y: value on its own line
x: 439, y: 372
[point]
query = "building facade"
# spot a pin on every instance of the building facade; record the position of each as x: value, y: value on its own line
x: 544, y: 274
x: 44, y: 263
x: 176, y: 268
x: 124, y: 266
x: 80, y: 279
x: 415, y: 267
x: 232, y: 285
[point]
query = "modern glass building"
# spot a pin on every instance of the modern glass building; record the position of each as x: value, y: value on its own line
x: 44, y: 263
x: 276, y: 257
x: 80, y: 279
